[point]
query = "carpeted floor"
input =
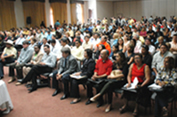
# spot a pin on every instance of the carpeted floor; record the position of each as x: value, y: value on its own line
x: 41, y: 104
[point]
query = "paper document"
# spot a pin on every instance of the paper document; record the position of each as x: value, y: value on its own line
x: 133, y: 85
x: 154, y: 86
x: 76, y: 77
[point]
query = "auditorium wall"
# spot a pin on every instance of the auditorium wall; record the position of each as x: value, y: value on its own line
x: 138, y: 8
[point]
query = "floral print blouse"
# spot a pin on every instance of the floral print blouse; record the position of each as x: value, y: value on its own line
x: 165, y: 75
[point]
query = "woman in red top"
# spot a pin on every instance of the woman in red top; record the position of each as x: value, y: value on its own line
x: 142, y: 72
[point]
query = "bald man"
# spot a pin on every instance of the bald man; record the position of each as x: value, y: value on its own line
x: 103, y: 68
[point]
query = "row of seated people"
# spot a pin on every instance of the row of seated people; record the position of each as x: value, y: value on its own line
x: 110, y: 75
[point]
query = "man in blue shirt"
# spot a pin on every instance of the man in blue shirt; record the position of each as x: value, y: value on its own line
x: 49, y: 36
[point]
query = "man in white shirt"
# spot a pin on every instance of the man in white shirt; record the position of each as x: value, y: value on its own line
x: 55, y: 49
x: 94, y: 40
x: 137, y: 48
x: 151, y: 47
x: 45, y: 43
x: 20, y: 40
x: 87, y: 44
x: 63, y: 42
x: 174, y: 32
x: 57, y: 42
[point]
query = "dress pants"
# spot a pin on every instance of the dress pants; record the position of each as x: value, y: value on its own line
x: 98, y: 89
x: 75, y: 86
x: 109, y: 88
x: 18, y: 69
x: 7, y: 61
x: 66, y: 80
x: 34, y: 72
x: 54, y: 80
x: 26, y: 71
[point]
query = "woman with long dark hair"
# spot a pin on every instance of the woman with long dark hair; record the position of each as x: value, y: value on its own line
x: 86, y: 71
x: 116, y: 79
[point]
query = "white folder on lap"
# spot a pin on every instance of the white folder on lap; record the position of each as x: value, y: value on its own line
x: 133, y: 84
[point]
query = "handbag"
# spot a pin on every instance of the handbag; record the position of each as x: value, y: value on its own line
x: 115, y: 73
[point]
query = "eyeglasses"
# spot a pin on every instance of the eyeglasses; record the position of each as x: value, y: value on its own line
x: 137, y: 57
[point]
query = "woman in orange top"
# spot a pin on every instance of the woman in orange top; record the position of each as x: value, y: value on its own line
x: 142, y: 72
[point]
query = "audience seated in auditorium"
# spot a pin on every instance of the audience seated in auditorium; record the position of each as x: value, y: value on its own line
x: 112, y: 36
x: 86, y: 72
x: 46, y: 65
x: 116, y: 79
x: 35, y: 60
x: 103, y: 68
x: 140, y: 71
x: 159, y: 57
x: 68, y: 65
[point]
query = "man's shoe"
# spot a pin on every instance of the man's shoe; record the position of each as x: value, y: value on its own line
x: 11, y: 80
x: 63, y: 97
x: 32, y: 89
x: 28, y: 85
x: 19, y: 80
x: 88, y: 102
x: 56, y: 92
x: 99, y: 104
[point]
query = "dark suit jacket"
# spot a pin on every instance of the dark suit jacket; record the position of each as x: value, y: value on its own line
x: 71, y: 65
x: 88, y: 68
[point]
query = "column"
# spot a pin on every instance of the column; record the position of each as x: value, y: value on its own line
x: 18, y: 7
x: 47, y: 10
x: 68, y: 11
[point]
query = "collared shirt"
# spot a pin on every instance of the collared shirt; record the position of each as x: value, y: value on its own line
x: 19, y: 41
x: 87, y: 45
x: 157, y: 60
x: 49, y: 59
x: 137, y: 48
x: 56, y: 51
x: 94, y: 41
x: 71, y: 33
x: 25, y: 55
x: 42, y: 47
x: 107, y: 46
x: 49, y: 37
x: 9, y: 51
x: 103, y: 67
x: 78, y: 53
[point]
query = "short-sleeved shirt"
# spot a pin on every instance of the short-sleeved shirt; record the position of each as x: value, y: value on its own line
x: 9, y: 51
x: 103, y: 67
